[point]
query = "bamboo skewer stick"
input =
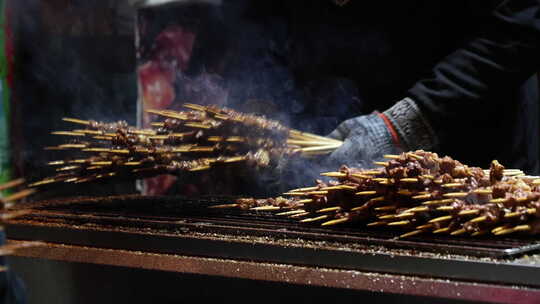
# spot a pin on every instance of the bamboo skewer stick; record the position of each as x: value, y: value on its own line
x: 224, y: 206
x: 304, y: 135
x: 43, y: 182
x: 67, y: 133
x: 412, y: 233
x: 441, y: 219
x: 409, y: 180
x: 330, y: 209
x: 423, y: 227
x: 91, y: 132
x: 292, y: 212
x: 314, y: 219
x: 399, y: 223
x: 441, y: 230
x: 266, y: 208
x: 366, y: 193
x: 300, y: 214
x: 529, y: 211
x: 335, y: 222
x: 195, y: 107
x: 309, y: 143
x: 452, y: 185
x: 317, y: 193
x: 319, y: 149
x: 404, y: 215
x: 385, y: 208
x: 387, y: 217
x: 13, y: 214
x: 455, y: 195
x: 438, y: 202
x: 418, y: 209
x: 295, y: 193
x: 379, y: 223
x: 469, y: 212
x: 19, y: 195
x: 458, y: 232
x: 478, y: 219
x: 498, y: 201
x: 12, y: 184
x: 77, y: 121
x: 422, y: 196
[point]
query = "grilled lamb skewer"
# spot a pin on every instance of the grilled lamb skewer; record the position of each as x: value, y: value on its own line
x: 418, y: 191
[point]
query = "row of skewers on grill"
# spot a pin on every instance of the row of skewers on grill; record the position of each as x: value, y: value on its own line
x: 417, y: 193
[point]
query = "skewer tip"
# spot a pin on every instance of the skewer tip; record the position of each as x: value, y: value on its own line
x: 412, y: 233
x: 335, y: 222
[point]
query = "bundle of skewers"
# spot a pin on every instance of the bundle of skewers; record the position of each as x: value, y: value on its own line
x: 417, y: 193
x: 197, y: 139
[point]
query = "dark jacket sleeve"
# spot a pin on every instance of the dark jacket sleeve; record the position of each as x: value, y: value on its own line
x: 501, y: 58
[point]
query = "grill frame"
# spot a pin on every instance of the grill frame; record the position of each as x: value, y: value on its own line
x: 193, y: 230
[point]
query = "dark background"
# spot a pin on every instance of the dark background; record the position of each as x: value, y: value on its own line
x: 72, y: 59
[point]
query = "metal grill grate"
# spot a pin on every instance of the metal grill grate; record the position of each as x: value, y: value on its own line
x: 177, y: 213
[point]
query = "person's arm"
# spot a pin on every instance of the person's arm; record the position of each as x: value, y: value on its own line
x: 499, y: 60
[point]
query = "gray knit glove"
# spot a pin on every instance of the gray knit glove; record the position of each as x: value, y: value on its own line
x: 367, y: 138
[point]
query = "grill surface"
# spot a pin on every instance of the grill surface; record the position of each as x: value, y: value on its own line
x: 179, y: 225
x: 175, y: 212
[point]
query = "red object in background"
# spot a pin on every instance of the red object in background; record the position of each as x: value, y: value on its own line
x: 159, y: 184
x: 157, y: 85
x: 171, y: 53
x: 174, y: 45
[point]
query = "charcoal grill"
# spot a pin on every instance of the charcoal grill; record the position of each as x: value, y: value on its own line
x: 186, y: 227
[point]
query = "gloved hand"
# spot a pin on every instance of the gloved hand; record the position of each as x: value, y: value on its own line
x: 367, y: 138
